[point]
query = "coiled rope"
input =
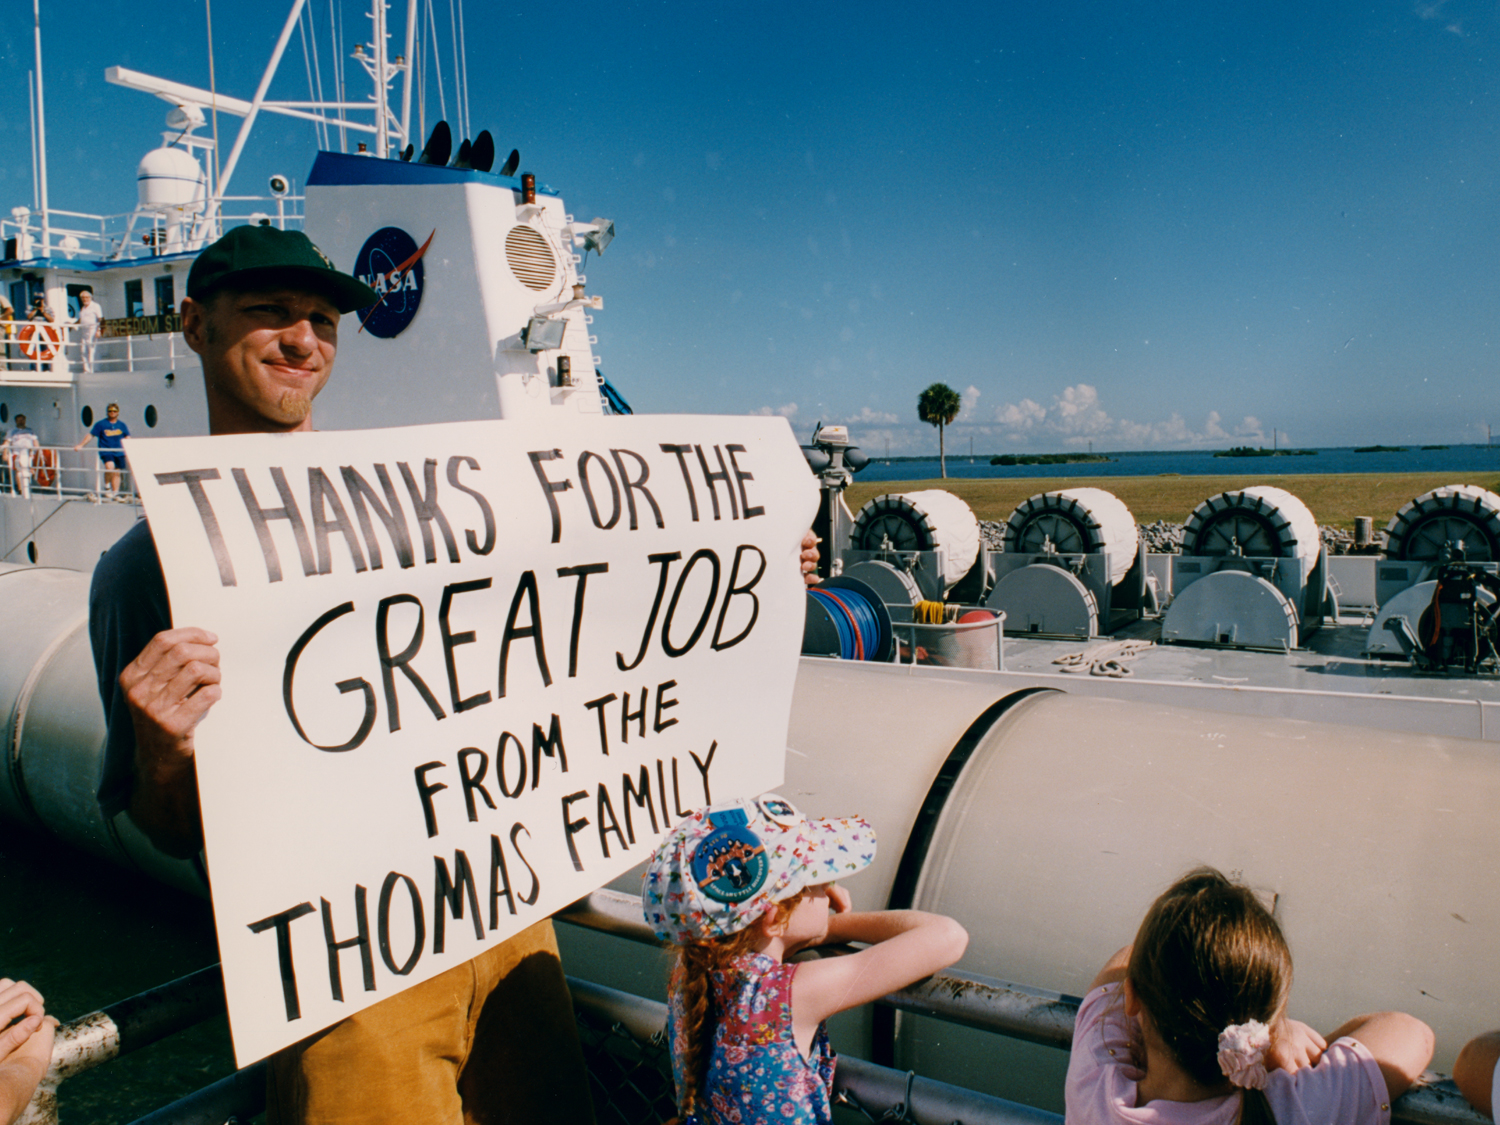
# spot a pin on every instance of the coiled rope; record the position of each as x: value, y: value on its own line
x: 1111, y: 659
x: 854, y: 619
x: 928, y: 613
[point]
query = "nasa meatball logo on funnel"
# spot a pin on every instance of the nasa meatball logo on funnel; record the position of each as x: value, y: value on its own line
x: 390, y: 262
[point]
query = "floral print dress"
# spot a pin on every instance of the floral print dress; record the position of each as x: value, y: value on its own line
x: 756, y: 1075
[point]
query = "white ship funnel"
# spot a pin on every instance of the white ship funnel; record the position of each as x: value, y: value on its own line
x: 480, y: 296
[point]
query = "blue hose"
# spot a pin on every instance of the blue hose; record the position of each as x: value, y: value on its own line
x: 855, y: 620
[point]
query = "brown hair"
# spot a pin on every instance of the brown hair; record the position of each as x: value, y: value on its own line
x: 692, y: 977
x: 1208, y: 955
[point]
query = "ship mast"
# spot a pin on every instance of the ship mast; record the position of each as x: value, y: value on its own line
x: 382, y: 72
x: 41, y: 133
x: 387, y: 130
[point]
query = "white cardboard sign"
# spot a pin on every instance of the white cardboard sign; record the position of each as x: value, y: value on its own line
x: 471, y: 672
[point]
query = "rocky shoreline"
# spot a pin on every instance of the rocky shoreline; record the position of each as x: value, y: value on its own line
x: 1165, y: 538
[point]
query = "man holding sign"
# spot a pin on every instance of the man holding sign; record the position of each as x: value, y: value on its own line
x: 493, y: 1039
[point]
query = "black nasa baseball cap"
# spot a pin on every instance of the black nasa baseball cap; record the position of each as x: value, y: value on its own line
x: 255, y: 257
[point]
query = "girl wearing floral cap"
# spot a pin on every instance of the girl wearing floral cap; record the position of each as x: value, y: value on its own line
x: 739, y: 888
x: 1188, y: 1026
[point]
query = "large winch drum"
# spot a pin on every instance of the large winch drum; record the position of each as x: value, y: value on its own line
x: 1081, y: 521
x: 1261, y: 521
x: 1462, y: 517
x: 930, y: 520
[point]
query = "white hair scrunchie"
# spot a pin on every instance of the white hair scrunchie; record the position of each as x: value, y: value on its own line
x: 1242, y: 1053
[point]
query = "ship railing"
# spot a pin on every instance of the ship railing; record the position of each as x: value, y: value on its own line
x: 141, y: 233
x: 629, y: 1064
x: 126, y: 344
x: 59, y: 472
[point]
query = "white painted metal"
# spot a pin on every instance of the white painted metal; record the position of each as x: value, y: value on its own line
x: 55, y: 723
x: 1333, y: 820
x: 255, y: 103
x: 893, y: 586
x: 168, y: 178
x: 1232, y: 607
x: 1410, y: 604
x: 41, y: 131
x: 1045, y: 599
x: 179, y: 93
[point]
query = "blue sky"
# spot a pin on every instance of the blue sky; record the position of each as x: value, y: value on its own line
x: 1163, y: 225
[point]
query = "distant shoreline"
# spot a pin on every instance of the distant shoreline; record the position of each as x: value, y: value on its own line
x: 1248, y: 451
x: 1117, y: 454
x: 1049, y: 459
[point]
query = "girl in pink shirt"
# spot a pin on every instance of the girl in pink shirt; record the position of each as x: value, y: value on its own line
x: 1188, y: 1026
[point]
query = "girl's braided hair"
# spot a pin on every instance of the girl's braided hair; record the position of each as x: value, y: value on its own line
x: 1208, y: 955
x: 692, y: 977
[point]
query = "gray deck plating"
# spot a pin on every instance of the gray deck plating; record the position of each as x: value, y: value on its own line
x: 1329, y: 681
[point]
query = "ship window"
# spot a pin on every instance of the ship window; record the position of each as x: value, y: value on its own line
x: 4, y: 412
x: 88, y: 417
x: 31, y: 550
x: 135, y: 303
x: 20, y: 299
x: 165, y: 296
x: 151, y: 417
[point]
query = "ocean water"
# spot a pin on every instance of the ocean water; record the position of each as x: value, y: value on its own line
x: 1461, y: 460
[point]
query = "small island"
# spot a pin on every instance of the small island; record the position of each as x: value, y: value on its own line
x: 1380, y: 449
x: 1427, y: 447
x: 1048, y: 458
x: 1251, y: 451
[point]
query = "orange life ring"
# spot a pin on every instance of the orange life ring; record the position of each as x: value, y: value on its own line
x: 40, y: 341
x: 44, y: 468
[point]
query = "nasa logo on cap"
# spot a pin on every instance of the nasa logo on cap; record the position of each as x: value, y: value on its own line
x: 730, y: 864
x: 778, y: 810
x: 390, y: 262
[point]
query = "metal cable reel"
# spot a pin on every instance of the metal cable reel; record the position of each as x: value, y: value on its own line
x: 931, y: 520
x: 1065, y: 553
x: 1463, y: 516
x: 1259, y: 522
x: 1076, y: 521
x: 1251, y: 573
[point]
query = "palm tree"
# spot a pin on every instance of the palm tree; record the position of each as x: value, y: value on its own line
x: 937, y: 406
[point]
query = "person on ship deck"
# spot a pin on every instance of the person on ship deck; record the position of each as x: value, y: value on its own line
x: 493, y: 1040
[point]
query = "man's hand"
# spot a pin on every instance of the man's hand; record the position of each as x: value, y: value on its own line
x: 1294, y: 1046
x: 169, y: 687
x: 809, y: 559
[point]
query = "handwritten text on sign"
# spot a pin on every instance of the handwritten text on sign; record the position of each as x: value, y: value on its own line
x: 471, y: 672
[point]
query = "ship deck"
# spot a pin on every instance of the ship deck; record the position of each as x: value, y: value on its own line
x: 1329, y: 680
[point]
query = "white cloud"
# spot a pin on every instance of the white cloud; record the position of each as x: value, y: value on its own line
x: 970, y: 399
x: 871, y: 417
x: 785, y: 410
x: 1021, y: 415
x: 1076, y: 417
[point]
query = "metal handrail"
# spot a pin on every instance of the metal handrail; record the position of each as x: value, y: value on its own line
x: 109, y: 236
x: 1013, y: 1010
x: 148, y: 349
x: 122, y: 1027
x: 65, y: 483
x: 1016, y: 1011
